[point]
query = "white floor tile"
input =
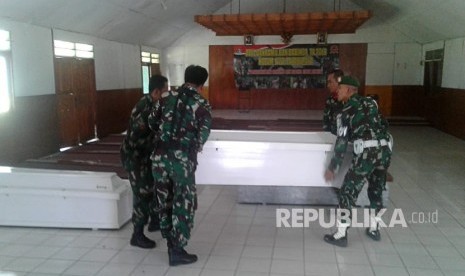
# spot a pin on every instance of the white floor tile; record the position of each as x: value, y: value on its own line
x: 241, y: 239
x: 354, y: 270
x: 84, y: 268
x: 53, y: 266
x: 419, y: 261
x: 389, y: 271
x: 321, y: 269
x: 451, y: 263
x: 254, y: 264
x: 217, y: 272
x: 287, y: 267
x: 288, y: 253
x: 352, y: 257
x: 5, y: 260
x: 258, y: 251
x: 99, y: 255
x: 129, y: 257
x: 23, y: 264
x: 227, y: 250
x: 116, y: 269
x: 144, y: 270
x: 15, y: 250
x: 183, y: 271
x: 42, y: 251
x: 380, y: 259
x: 59, y: 240
x: 221, y: 262
x: 71, y: 253
x: 424, y: 272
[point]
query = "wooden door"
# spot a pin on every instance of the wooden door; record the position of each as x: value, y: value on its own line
x: 155, y: 69
x: 75, y: 89
x: 432, y: 77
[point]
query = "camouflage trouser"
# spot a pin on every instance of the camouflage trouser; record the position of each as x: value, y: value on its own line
x: 177, y: 197
x: 369, y: 166
x: 141, y: 179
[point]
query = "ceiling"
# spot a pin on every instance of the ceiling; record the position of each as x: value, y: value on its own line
x: 159, y: 23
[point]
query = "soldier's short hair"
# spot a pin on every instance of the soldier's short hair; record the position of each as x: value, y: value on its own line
x: 338, y: 73
x: 157, y: 82
x: 195, y: 74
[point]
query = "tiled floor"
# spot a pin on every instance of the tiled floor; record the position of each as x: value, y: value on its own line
x: 234, y: 239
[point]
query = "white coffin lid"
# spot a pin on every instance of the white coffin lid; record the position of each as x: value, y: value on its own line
x: 57, y: 179
x: 272, y: 136
x: 274, y: 140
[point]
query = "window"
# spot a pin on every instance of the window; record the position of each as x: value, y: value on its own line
x: 147, y: 57
x: 70, y: 49
x: 149, y: 60
x: 5, y: 72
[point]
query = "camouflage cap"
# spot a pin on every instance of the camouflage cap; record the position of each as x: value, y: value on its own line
x: 348, y: 80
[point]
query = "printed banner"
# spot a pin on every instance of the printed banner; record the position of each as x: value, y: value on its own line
x: 296, y: 66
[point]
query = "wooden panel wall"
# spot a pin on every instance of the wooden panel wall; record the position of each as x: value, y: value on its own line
x: 446, y: 111
x: 224, y: 95
x: 399, y: 100
x: 29, y: 130
x: 353, y: 59
x: 408, y: 100
x: 384, y: 93
x: 114, y: 108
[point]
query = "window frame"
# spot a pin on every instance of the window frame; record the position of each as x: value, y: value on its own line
x: 147, y: 59
x: 7, y: 56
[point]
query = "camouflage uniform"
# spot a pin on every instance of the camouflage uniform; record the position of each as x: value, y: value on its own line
x: 333, y: 107
x: 135, y: 156
x: 360, y: 119
x: 184, y: 128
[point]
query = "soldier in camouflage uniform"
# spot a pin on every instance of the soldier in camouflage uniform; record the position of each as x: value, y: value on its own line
x: 185, y: 121
x: 333, y: 107
x: 361, y: 124
x: 136, y: 149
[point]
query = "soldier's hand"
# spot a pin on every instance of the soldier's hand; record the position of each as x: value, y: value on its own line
x: 329, y: 175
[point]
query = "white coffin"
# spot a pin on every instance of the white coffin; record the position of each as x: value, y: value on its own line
x: 60, y: 198
x: 274, y: 167
x: 267, y: 158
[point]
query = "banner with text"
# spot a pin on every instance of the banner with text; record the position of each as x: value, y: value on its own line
x: 284, y: 66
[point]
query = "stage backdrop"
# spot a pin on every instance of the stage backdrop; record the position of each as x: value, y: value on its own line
x: 284, y: 66
x: 224, y: 94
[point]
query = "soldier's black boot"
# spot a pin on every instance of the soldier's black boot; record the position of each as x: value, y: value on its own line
x: 140, y: 240
x: 154, y: 224
x: 179, y: 256
x: 374, y: 235
x: 339, y: 238
x: 373, y: 230
x: 169, y: 244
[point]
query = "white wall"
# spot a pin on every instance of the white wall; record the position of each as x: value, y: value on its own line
x: 454, y: 64
x: 408, y: 69
x: 394, y: 64
x: 32, y: 59
x: 454, y: 61
x: 117, y: 65
x: 380, y: 64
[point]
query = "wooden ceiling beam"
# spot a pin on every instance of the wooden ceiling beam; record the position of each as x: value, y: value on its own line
x: 280, y: 23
